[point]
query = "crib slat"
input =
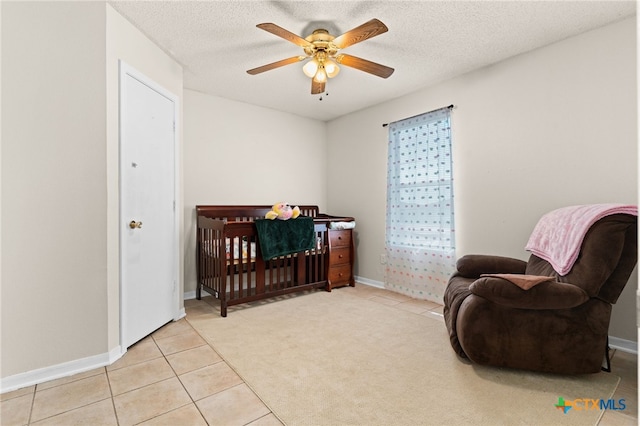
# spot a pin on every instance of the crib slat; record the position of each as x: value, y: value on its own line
x: 259, y: 269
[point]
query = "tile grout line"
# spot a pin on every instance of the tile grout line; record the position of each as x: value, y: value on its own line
x: 113, y: 399
x: 33, y: 401
x: 179, y: 380
x: 236, y: 372
x: 29, y: 421
x: 162, y: 355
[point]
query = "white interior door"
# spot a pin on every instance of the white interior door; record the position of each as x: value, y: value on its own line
x: 148, y: 239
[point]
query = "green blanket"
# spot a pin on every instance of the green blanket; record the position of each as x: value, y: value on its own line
x: 282, y: 237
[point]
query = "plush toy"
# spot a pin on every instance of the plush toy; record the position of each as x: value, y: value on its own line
x: 283, y: 211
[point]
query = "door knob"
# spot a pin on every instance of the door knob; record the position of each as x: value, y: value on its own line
x: 133, y: 224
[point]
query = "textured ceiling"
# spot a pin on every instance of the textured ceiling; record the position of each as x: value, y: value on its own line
x: 427, y: 42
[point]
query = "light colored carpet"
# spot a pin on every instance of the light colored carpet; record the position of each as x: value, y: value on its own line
x: 339, y: 359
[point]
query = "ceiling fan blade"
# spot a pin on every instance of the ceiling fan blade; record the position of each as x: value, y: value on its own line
x: 287, y: 35
x: 316, y: 88
x: 365, y: 31
x: 364, y: 65
x: 277, y: 64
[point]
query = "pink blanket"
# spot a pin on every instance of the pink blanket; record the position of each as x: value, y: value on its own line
x: 558, y: 235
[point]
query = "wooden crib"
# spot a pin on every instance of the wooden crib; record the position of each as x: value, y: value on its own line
x: 230, y: 266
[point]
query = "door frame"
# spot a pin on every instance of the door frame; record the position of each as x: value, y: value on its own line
x: 127, y: 70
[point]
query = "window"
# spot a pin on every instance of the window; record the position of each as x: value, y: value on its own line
x: 420, y: 240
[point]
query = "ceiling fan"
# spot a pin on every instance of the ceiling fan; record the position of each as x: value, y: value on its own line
x: 322, y: 49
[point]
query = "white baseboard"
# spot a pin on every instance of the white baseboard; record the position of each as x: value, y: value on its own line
x: 369, y: 282
x: 623, y: 345
x: 181, y: 314
x: 58, y: 371
x: 188, y: 295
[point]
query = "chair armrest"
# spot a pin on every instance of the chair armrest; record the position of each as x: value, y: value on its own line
x: 546, y: 295
x: 474, y: 265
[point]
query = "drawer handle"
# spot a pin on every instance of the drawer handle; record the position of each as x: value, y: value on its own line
x: 340, y: 257
x: 339, y: 237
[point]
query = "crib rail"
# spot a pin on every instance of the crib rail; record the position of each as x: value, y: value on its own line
x: 246, y: 213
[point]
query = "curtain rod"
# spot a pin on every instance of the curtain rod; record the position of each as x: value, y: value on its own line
x: 429, y: 112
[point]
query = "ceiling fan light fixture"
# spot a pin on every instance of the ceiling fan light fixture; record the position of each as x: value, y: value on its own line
x: 321, y: 75
x: 310, y: 68
x: 331, y: 68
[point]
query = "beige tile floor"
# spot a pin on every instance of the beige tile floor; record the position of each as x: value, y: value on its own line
x: 173, y: 377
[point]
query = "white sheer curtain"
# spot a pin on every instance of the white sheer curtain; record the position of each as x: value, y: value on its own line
x: 420, y: 241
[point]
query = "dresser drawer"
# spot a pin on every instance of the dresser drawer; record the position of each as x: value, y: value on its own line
x: 340, y: 238
x: 340, y: 274
x: 340, y: 259
x: 340, y: 255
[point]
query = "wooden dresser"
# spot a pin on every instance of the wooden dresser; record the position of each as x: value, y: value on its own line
x: 341, y: 258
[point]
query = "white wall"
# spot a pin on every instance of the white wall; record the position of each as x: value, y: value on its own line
x: 236, y: 153
x: 546, y: 129
x: 60, y: 213
x: 54, y: 208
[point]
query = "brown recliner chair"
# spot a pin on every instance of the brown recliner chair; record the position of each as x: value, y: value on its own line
x: 558, y: 326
